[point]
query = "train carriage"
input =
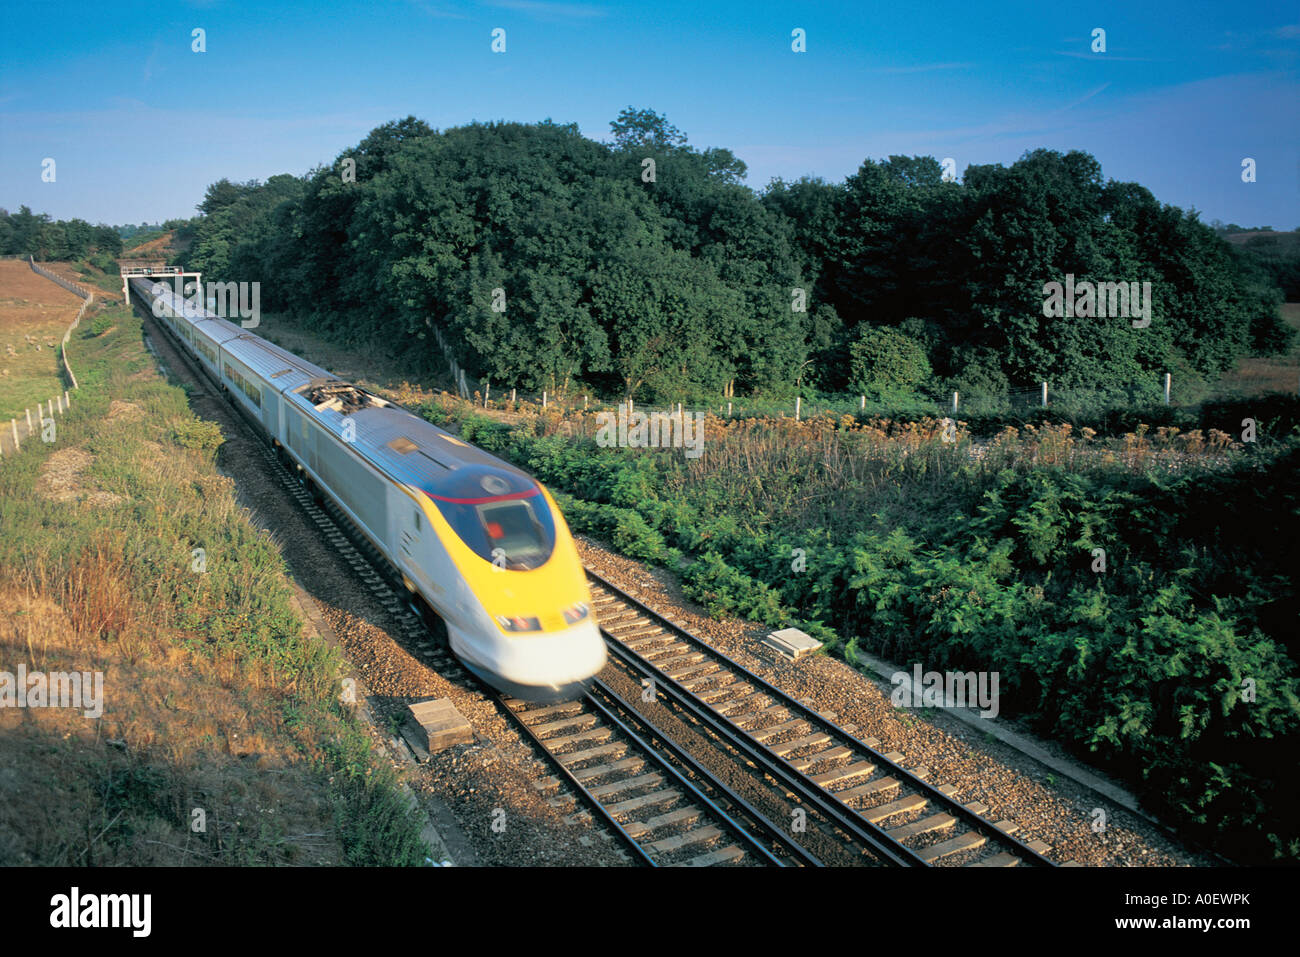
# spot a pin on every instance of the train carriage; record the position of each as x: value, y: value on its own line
x: 473, y: 538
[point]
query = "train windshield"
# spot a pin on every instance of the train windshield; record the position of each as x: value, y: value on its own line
x: 515, y: 531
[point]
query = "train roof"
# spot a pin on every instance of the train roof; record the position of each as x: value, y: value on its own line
x: 411, y: 450
x: 278, y: 366
x: 400, y: 443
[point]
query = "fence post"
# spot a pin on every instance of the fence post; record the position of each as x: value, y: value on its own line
x: 954, y: 402
x: 29, y: 420
x: 512, y: 396
x: 1044, y: 395
x: 862, y: 405
x: 487, y: 391
x: 728, y: 409
x: 1168, y: 382
x: 798, y: 404
x: 543, y: 398
x: 14, y: 423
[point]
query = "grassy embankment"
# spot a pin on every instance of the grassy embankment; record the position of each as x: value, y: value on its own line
x: 217, y: 707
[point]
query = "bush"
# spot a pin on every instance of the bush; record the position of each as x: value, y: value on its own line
x: 97, y: 326
x: 886, y: 361
x: 199, y: 435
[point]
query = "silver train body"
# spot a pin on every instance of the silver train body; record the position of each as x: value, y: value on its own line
x: 473, y: 538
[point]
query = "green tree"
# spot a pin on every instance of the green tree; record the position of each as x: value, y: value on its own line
x: 885, y: 360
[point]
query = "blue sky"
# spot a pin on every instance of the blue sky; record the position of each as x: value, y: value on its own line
x: 139, y: 125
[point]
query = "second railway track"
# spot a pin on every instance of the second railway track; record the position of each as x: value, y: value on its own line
x: 898, y: 816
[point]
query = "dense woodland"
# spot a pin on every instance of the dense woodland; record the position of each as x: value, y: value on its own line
x: 684, y: 286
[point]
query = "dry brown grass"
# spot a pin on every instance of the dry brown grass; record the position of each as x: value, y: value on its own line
x: 34, y: 314
x: 179, y: 731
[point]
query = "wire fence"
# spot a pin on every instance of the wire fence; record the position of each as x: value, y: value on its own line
x: 940, y: 404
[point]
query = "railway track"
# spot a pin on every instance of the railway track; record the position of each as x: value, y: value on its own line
x: 897, y: 815
x: 664, y: 806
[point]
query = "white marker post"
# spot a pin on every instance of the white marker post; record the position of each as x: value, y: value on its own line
x: 1168, y: 382
x: 1044, y: 395
x: 954, y: 402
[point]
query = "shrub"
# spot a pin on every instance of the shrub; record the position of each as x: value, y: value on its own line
x: 886, y: 361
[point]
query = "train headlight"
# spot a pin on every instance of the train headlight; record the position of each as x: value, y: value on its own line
x: 518, y: 624
x: 577, y: 613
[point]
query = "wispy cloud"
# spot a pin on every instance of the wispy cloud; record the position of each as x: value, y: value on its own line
x: 545, y: 10
x: 442, y: 11
x: 1106, y: 56
x: 923, y: 68
x: 1085, y: 98
x: 151, y: 61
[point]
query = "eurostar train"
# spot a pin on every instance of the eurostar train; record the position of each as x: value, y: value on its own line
x: 474, y: 539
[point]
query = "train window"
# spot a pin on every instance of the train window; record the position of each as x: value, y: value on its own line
x: 518, y: 526
x: 417, y: 520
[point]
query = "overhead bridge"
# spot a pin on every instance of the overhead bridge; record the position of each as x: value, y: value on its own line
x: 158, y: 271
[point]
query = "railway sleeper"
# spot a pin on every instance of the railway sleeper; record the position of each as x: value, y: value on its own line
x: 711, y: 698
x: 771, y: 731
x: 787, y: 747
x: 572, y: 758
x: 968, y: 841
x: 618, y: 617
x: 680, y: 817
x: 627, y: 765
x: 775, y: 712
x: 676, y: 659
x: 722, y: 677
x: 821, y: 757
x: 564, y: 707
x: 636, y: 644
x: 926, y: 825
x: 626, y: 631
x: 654, y: 779
x: 723, y: 855
x: 661, y: 798
x: 682, y: 671
x: 577, y: 721
x: 827, y: 778
x: 595, y: 734
x: 913, y: 802
x: 1002, y: 859
x: 700, y: 835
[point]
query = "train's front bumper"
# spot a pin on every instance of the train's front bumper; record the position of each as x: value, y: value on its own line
x: 556, y: 666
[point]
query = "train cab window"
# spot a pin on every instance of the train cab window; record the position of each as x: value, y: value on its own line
x: 517, y: 525
x: 417, y: 520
